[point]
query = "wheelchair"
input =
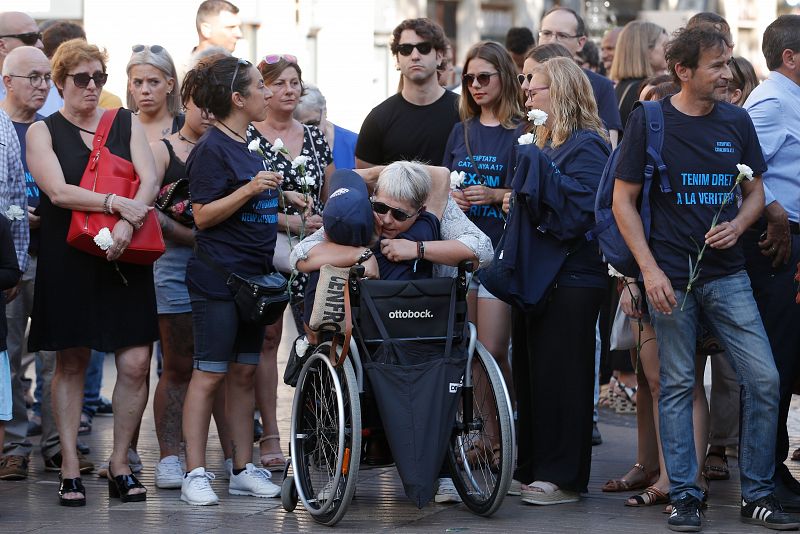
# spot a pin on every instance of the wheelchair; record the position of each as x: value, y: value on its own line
x: 326, y: 419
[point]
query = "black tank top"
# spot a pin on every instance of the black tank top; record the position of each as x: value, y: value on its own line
x: 176, y: 168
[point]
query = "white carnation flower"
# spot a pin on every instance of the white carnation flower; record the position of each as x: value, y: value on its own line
x: 537, y: 116
x: 612, y: 272
x: 308, y: 180
x: 526, y: 139
x: 745, y: 170
x: 15, y: 213
x: 103, y: 239
x: 300, y: 161
x: 301, y: 346
x: 254, y: 146
x: 277, y: 146
x: 456, y: 179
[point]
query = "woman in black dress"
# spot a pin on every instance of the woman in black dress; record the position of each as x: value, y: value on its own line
x: 84, y: 302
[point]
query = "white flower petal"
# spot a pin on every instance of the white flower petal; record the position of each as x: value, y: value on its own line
x: 301, y: 346
x: 277, y: 146
x: 15, y: 213
x: 526, y: 139
x: 745, y: 170
x: 612, y: 272
x: 253, y: 146
x: 456, y: 179
x: 103, y: 239
x: 537, y: 116
x: 299, y: 161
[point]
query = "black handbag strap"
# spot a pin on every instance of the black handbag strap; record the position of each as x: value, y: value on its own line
x: 451, y: 317
x: 469, y: 153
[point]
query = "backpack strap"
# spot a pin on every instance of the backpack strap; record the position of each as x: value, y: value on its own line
x: 654, y: 122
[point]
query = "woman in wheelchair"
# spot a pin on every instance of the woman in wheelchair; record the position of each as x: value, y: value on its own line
x: 407, y: 230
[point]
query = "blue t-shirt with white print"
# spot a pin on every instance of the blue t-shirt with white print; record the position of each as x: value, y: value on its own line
x: 701, y: 154
x: 31, y: 189
x: 491, y: 148
x: 244, y: 242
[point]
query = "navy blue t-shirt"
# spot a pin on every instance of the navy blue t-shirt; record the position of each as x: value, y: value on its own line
x: 491, y: 149
x: 425, y: 228
x: 701, y: 154
x: 244, y: 242
x: 31, y: 189
x: 606, y: 100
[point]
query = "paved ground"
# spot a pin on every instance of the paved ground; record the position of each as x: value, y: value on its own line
x: 380, y: 505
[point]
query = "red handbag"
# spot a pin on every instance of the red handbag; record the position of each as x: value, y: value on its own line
x: 107, y: 173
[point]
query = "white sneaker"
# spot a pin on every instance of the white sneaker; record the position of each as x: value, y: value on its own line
x: 515, y: 488
x: 196, y: 488
x: 447, y: 491
x: 227, y: 469
x: 169, y: 474
x: 253, y: 481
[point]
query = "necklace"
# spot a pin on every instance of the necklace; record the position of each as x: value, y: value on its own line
x: 182, y: 138
x: 231, y: 131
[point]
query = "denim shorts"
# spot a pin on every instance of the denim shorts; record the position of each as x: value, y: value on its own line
x: 169, y: 273
x: 475, y: 285
x: 5, y: 387
x: 220, y: 337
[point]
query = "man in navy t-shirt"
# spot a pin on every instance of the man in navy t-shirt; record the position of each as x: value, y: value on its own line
x: 705, y: 139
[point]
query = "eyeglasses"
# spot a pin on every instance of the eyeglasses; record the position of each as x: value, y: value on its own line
x: 29, y: 38
x: 239, y: 62
x: 271, y: 59
x: 523, y: 77
x: 424, y: 48
x: 82, y: 79
x: 483, y: 78
x: 399, y: 215
x: 558, y: 36
x: 156, y: 49
x: 532, y: 90
x: 35, y: 79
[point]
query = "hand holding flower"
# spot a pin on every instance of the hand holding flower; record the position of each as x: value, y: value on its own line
x: 122, y: 235
x: 481, y: 195
x: 456, y: 179
x: 458, y: 197
x: 724, y: 235
x: 264, y: 180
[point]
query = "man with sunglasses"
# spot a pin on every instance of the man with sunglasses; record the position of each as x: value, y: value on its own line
x: 26, y: 79
x: 16, y: 29
x: 564, y: 26
x: 413, y: 124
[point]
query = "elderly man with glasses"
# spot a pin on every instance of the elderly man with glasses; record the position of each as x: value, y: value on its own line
x: 16, y: 29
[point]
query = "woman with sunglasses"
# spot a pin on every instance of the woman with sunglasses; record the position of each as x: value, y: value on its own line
x: 480, y: 146
x: 283, y: 76
x: 553, y: 358
x: 153, y: 92
x: 235, y: 206
x: 85, y: 302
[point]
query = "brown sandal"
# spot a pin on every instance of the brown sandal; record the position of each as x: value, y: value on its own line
x: 649, y: 497
x: 716, y: 472
x: 620, y: 484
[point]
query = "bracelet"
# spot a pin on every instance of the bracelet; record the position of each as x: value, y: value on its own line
x: 106, y: 210
x: 121, y: 218
x: 367, y: 254
x: 111, y: 203
x: 420, y: 250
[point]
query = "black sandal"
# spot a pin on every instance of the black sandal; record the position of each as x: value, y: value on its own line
x: 119, y: 487
x: 71, y: 485
x: 716, y: 472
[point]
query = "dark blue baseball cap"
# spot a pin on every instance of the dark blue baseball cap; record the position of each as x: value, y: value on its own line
x: 347, y: 216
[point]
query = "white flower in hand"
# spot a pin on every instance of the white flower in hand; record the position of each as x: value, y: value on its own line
x: 613, y: 273
x: 301, y: 346
x: 526, y: 139
x: 277, y: 146
x: 456, y: 179
x: 308, y: 180
x: 103, y: 239
x: 15, y: 213
x: 254, y: 146
x: 537, y: 116
x: 300, y: 161
x: 746, y: 171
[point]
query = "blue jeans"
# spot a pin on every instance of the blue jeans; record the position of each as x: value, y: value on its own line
x: 728, y: 306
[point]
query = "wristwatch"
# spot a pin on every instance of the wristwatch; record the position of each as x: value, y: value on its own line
x: 367, y: 254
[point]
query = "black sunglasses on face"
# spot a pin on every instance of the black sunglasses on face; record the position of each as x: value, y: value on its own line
x: 483, y: 78
x: 29, y: 38
x: 424, y: 48
x: 82, y: 79
x: 399, y: 215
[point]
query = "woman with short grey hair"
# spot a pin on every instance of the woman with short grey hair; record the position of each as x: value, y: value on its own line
x: 153, y: 91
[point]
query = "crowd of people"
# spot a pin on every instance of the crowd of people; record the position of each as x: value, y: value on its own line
x: 246, y: 176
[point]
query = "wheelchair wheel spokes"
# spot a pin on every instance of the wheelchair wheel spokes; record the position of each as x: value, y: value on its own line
x: 481, y: 448
x: 326, y: 437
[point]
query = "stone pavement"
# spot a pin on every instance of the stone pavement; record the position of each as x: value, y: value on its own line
x: 380, y: 505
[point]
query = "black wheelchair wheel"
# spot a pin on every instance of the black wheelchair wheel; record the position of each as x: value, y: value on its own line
x: 481, y: 450
x: 326, y: 436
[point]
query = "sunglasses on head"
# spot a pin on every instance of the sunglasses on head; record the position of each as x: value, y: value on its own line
x: 523, y: 77
x: 29, y: 38
x: 406, y: 49
x: 483, y: 78
x: 156, y: 49
x: 239, y: 62
x: 271, y: 59
x: 82, y: 79
x: 399, y: 215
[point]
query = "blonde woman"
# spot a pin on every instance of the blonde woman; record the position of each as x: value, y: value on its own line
x: 153, y: 92
x: 553, y: 358
x: 639, y: 55
x: 481, y: 146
